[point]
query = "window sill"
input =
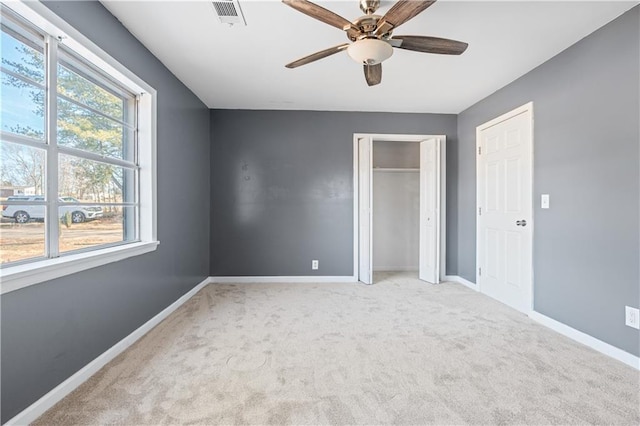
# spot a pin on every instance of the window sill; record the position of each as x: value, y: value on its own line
x: 17, y: 277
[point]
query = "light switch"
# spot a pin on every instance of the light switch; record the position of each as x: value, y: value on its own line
x: 544, y: 201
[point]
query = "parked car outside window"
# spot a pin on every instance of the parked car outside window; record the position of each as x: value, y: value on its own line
x: 25, y: 213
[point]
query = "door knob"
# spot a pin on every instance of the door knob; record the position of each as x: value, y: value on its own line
x: 521, y: 222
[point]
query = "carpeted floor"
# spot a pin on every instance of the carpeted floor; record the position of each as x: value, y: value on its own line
x: 400, y: 351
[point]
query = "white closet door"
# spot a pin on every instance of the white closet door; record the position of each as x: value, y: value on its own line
x: 365, y: 201
x: 429, y: 269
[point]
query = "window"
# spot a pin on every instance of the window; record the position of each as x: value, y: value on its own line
x: 77, y: 152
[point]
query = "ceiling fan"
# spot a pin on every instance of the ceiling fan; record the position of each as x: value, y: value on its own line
x: 371, y: 35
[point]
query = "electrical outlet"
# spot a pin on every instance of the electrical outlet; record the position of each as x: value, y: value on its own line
x: 632, y: 317
x: 314, y: 264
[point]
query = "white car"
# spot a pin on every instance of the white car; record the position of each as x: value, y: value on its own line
x: 24, y: 213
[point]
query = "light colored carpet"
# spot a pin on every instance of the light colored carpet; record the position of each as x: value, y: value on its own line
x: 400, y: 351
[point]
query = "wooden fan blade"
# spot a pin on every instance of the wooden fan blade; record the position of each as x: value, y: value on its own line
x: 318, y: 55
x: 319, y: 13
x: 373, y: 74
x: 442, y: 46
x: 400, y: 13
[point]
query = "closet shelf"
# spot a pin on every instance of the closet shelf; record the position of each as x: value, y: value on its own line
x: 391, y: 169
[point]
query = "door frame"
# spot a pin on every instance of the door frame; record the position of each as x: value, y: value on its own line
x: 384, y: 137
x: 526, y: 108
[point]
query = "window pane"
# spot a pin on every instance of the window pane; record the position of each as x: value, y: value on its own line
x: 22, y: 108
x: 22, y: 58
x: 89, y: 226
x: 21, y: 241
x: 83, y: 129
x: 80, y: 89
x: 92, y: 181
x: 22, y: 170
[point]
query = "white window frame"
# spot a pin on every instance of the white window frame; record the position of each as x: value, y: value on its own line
x: 19, y: 276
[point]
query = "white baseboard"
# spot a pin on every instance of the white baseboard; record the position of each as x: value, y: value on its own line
x: 279, y: 279
x: 38, y: 408
x: 460, y: 280
x: 395, y: 269
x: 587, y: 340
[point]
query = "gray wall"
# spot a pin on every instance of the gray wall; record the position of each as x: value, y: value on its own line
x: 51, y: 330
x: 586, y: 143
x: 282, y: 187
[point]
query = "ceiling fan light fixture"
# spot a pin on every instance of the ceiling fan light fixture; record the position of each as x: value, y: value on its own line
x: 370, y: 51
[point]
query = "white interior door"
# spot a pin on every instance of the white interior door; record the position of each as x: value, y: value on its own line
x: 365, y: 209
x: 429, y: 265
x: 504, y: 236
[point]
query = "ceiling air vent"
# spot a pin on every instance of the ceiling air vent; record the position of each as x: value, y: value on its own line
x: 229, y: 12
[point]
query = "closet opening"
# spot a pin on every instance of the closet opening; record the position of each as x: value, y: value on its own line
x: 399, y: 201
x: 396, y: 208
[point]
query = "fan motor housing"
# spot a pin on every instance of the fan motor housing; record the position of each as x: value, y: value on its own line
x: 366, y: 25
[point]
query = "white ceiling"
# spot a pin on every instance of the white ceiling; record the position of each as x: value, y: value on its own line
x: 238, y: 67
